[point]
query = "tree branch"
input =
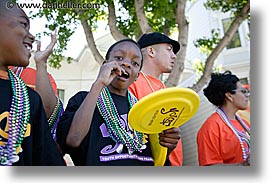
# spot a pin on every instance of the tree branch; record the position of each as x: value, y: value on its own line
x: 117, y: 35
x: 142, y: 20
x: 90, y: 37
x: 223, y: 43
x: 183, y: 28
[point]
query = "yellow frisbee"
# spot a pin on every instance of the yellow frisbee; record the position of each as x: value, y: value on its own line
x: 158, y: 152
x: 163, y: 109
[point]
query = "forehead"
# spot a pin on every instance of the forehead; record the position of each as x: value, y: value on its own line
x: 126, y: 46
x: 164, y: 45
x: 239, y: 84
x: 14, y: 12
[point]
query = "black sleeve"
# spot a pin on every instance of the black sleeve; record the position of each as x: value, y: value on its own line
x: 45, y: 151
x: 66, y: 120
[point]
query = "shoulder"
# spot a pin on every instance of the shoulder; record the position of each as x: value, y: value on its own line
x: 136, y: 84
x: 78, y: 98
x: 80, y: 95
x: 213, y: 122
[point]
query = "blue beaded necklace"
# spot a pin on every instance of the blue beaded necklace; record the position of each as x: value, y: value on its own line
x: 108, y: 110
x: 19, y: 116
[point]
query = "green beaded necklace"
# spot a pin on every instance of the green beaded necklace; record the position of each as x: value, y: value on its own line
x: 108, y: 110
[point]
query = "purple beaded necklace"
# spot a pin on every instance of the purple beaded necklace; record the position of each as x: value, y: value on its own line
x: 242, y: 137
x: 18, y: 119
x: 107, y: 109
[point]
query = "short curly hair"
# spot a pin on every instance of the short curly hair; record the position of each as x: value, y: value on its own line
x: 220, y: 84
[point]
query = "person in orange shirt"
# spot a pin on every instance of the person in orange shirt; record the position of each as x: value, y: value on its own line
x: 224, y: 138
x: 159, y: 54
x: 245, y: 114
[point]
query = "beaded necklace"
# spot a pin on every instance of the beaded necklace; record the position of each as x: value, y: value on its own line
x: 55, y: 116
x: 57, y: 112
x: 18, y: 70
x: 108, y: 110
x: 242, y: 137
x: 18, y: 119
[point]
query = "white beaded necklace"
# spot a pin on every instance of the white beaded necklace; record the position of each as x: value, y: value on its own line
x: 241, y: 136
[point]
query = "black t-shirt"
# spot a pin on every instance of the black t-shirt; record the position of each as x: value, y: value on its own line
x: 38, y: 146
x: 98, y: 148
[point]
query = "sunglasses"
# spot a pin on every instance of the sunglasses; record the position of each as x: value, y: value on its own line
x: 243, y: 90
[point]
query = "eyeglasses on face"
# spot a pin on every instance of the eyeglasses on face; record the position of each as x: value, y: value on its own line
x: 243, y: 90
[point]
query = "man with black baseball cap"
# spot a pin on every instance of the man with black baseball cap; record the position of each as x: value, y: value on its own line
x: 157, y: 38
x: 159, y: 55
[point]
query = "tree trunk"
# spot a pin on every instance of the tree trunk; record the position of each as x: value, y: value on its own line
x: 166, y: 30
x: 90, y: 38
x: 223, y: 43
x: 142, y: 20
x: 183, y: 27
x: 117, y: 35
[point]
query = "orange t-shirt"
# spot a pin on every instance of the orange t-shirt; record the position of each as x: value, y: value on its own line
x: 217, y: 143
x: 144, y: 86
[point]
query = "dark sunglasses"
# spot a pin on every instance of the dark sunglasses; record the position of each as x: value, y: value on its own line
x: 243, y: 90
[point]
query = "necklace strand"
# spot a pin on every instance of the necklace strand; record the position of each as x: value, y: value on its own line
x: 18, y: 119
x: 241, y: 136
x: 56, y: 114
x: 18, y: 71
x: 149, y: 83
x: 108, y: 110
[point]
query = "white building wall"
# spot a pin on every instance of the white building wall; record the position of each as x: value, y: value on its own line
x: 199, y: 26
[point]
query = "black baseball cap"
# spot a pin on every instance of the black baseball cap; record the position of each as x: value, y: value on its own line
x: 152, y: 38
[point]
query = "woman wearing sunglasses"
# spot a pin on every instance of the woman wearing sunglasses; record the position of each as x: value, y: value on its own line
x: 224, y: 138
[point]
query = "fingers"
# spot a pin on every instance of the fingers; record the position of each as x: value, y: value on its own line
x: 53, y: 41
x: 169, y: 138
x: 108, y: 71
x: 172, y: 130
x: 54, y: 36
x: 115, y: 68
x: 49, y: 48
x: 41, y: 57
x: 38, y: 45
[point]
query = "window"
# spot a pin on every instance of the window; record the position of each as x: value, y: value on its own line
x: 236, y: 41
